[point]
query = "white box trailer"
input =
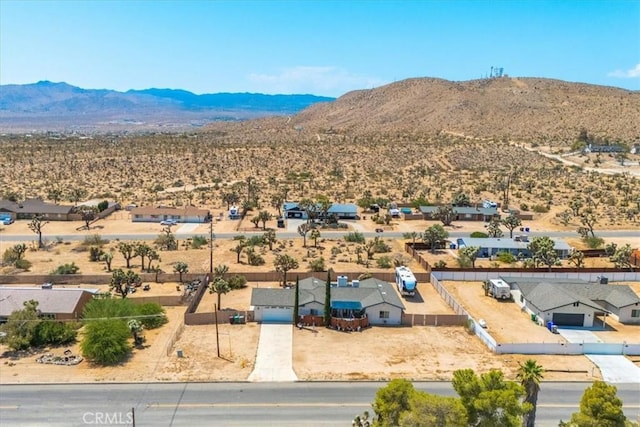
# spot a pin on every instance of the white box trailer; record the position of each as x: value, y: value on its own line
x: 406, y: 281
x: 499, y: 289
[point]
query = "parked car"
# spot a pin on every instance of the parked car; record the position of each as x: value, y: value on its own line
x: 379, y: 230
x: 6, y: 221
x: 168, y: 222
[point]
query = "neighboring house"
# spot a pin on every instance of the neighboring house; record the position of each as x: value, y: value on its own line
x: 371, y: 298
x: 337, y: 210
x: 517, y: 246
x: 591, y: 148
x: 574, y: 302
x: 163, y: 213
x: 31, y: 208
x: 463, y: 213
x: 54, y: 303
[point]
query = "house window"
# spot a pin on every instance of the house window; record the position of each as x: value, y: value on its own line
x: 384, y: 314
x: 521, y: 298
x: 313, y: 312
x: 635, y: 313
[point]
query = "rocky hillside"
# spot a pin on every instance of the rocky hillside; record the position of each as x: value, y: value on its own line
x: 526, y: 109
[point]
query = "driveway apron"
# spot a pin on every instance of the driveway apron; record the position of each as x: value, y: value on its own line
x: 274, y: 361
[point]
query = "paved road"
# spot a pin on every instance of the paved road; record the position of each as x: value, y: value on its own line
x: 277, y: 404
x: 292, y: 235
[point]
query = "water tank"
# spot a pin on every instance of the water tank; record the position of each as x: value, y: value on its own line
x: 342, y: 281
x: 355, y: 283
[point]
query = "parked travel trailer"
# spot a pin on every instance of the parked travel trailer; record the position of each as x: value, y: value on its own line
x: 497, y: 288
x: 406, y: 281
x: 487, y: 204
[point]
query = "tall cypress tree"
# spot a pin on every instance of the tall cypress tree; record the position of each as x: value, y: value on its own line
x: 327, y: 300
x: 296, y: 301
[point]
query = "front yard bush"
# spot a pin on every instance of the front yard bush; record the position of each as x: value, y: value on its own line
x: 154, y: 315
x: 479, y: 235
x: 50, y: 332
x: 106, y: 342
x: 506, y: 257
x: 354, y: 237
x: 384, y: 262
x: 66, y: 269
x: 317, y: 265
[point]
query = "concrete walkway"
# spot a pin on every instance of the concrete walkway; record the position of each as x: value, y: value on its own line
x: 274, y: 361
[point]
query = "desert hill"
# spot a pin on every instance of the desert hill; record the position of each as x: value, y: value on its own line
x: 529, y: 109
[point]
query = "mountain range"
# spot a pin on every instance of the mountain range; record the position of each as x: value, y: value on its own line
x: 533, y: 109
x: 59, y: 106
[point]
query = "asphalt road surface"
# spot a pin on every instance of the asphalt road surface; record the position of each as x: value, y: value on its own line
x: 234, y: 404
x: 293, y: 235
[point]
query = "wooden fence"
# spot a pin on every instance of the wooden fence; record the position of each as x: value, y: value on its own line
x: 224, y: 316
x: 409, y: 319
x: 87, y: 279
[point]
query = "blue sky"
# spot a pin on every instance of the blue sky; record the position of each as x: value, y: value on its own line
x: 319, y: 47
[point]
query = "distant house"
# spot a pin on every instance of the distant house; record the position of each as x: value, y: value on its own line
x: 517, y: 246
x: 370, y: 298
x: 163, y: 213
x: 574, y: 302
x: 55, y: 303
x: 337, y: 210
x: 463, y: 213
x: 31, y: 208
x: 616, y: 148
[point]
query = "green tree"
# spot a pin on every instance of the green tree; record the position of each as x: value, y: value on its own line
x: 21, y: 326
x: 128, y: 251
x: 36, y: 225
x: 315, y: 235
x: 142, y: 250
x: 19, y: 249
x: 461, y: 199
x: 303, y: 229
x: 428, y: 409
x: 230, y: 198
x: 327, y: 300
x: 600, y: 406
x: 181, y: 268
x: 471, y: 253
x: 284, y: 263
x: 577, y: 258
x: 88, y: 215
x: 77, y: 194
x: 106, y: 342
x: 489, y: 399
x: 166, y: 241
x: 434, y: 235
x: 511, y: 222
x: 622, y: 257
x: 543, y: 251
x: 529, y: 375
x: 392, y: 401
x: 445, y: 214
x: 493, y: 228
x: 324, y: 204
x: 296, y: 302
x: 55, y: 194
x: 270, y: 238
x: 264, y: 216
x: 219, y: 286
x: 239, y: 247
x: 118, y: 282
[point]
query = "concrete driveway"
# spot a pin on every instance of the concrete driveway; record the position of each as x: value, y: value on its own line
x: 614, y: 368
x: 274, y: 361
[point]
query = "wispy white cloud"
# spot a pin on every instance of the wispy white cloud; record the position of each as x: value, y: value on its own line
x: 328, y: 81
x: 633, y: 73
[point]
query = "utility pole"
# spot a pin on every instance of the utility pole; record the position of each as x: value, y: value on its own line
x: 215, y: 313
x: 211, y: 248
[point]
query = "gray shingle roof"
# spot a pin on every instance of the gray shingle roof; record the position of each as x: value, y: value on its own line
x: 547, y: 296
x: 50, y: 301
x: 370, y: 292
x: 462, y: 210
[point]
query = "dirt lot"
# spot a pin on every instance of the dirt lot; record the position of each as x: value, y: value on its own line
x: 505, y: 321
x: 417, y: 353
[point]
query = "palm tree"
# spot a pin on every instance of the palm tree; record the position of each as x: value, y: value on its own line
x: 529, y: 374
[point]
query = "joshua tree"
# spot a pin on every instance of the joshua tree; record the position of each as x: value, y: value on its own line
x: 136, y: 330
x: 303, y: 229
x: 284, y: 263
x: 445, y: 214
x: 270, y: 238
x: 181, y: 268
x: 36, y: 225
x: 511, y: 223
x: 127, y: 250
x: 315, y: 235
x: 263, y: 217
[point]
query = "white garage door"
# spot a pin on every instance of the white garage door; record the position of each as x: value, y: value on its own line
x: 277, y: 314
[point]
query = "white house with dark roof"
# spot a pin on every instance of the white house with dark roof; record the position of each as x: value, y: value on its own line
x: 517, y: 246
x: 463, y: 213
x: 339, y: 210
x: 373, y: 298
x: 162, y: 213
x: 574, y: 302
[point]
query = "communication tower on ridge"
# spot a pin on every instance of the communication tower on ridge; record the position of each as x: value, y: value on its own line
x: 496, y: 72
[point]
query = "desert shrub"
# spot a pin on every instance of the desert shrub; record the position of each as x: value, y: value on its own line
x: 257, y: 240
x: 524, y: 207
x: 66, y: 269
x: 464, y: 262
x: 505, y: 257
x: 381, y: 247
x: 540, y: 209
x: 479, y: 235
x: 103, y: 205
x: 22, y: 264
x: 335, y: 250
x: 198, y: 241
x: 354, y: 237
x: 106, y: 342
x: 95, y: 253
x: 317, y: 265
x: 10, y: 256
x: 384, y: 262
x: 95, y: 240
x: 50, y: 332
x: 155, y: 312
x: 593, y: 242
x: 237, y: 281
x: 440, y: 264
